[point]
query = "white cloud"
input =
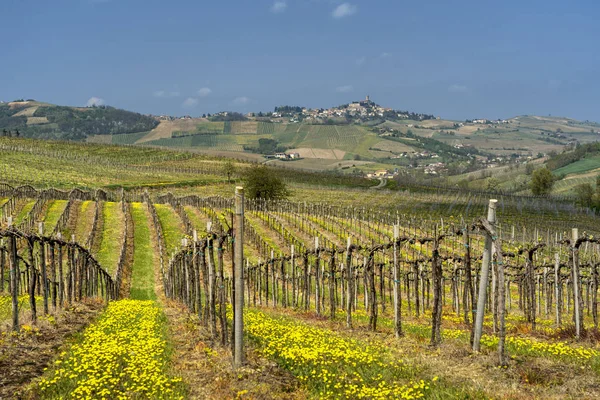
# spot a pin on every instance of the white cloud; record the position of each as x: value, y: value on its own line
x: 189, y: 102
x: 457, y: 88
x: 95, y: 101
x: 344, y: 10
x: 385, y: 55
x: 278, y: 7
x: 240, y: 101
x: 162, y: 93
x: 204, y: 92
x: 361, y: 61
x: 344, y: 89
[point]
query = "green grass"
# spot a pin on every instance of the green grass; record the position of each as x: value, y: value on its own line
x: 55, y: 210
x: 197, y: 221
x: 127, y: 138
x: 24, y: 212
x: 171, y: 226
x: 210, y: 141
x: 110, y: 246
x: 585, y: 165
x: 68, y: 165
x: 142, y: 278
x: 81, y: 230
x: 24, y: 306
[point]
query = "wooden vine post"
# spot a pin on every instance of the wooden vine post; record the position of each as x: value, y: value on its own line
x: 397, y: 292
x: 43, y: 267
x: 238, y: 276
x: 501, y: 308
x: 483, y: 279
x: 349, y: 285
x: 436, y: 312
x: 14, y: 276
x: 557, y: 288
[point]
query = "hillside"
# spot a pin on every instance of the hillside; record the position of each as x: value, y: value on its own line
x: 572, y: 167
x: 128, y: 311
x: 48, y: 121
x: 353, y: 138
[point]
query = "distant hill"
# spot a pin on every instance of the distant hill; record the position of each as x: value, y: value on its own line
x: 48, y: 121
x: 359, y: 135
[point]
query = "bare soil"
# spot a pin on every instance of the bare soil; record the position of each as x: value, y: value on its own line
x: 25, y: 356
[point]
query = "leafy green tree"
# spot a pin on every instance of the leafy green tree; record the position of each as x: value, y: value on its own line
x: 529, y: 168
x: 229, y: 169
x: 542, y: 181
x: 263, y: 183
x: 585, y: 194
x: 492, y: 184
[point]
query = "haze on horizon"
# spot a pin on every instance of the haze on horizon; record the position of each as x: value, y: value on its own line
x: 458, y: 60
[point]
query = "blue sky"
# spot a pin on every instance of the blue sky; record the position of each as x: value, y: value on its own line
x: 457, y: 59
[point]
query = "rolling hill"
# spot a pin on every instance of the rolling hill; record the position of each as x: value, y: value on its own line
x: 326, y: 145
x: 47, y: 121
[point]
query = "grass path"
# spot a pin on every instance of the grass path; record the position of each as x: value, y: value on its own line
x: 144, y: 259
x: 112, y: 236
x: 126, y: 353
x: 53, y: 213
x: 85, y: 216
x: 22, y: 214
x: 171, y: 225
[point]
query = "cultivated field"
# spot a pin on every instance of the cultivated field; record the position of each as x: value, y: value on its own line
x: 349, y: 293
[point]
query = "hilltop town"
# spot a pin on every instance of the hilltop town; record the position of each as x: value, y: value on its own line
x: 357, y: 112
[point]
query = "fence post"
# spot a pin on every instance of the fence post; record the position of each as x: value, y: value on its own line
x: 14, y: 275
x: 43, y: 265
x: 238, y: 309
x: 397, y: 294
x: 349, y: 287
x: 575, y: 234
x: 556, y: 288
x: 484, y: 277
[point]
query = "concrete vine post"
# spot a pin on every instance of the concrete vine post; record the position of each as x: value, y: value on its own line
x: 483, y: 279
x: 576, y: 282
x: 238, y: 276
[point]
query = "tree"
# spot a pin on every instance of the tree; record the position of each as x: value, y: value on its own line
x: 229, y: 169
x: 585, y: 194
x: 529, y: 168
x: 263, y: 183
x: 492, y: 184
x: 542, y: 181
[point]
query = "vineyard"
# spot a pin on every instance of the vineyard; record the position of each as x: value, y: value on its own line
x: 346, y: 302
